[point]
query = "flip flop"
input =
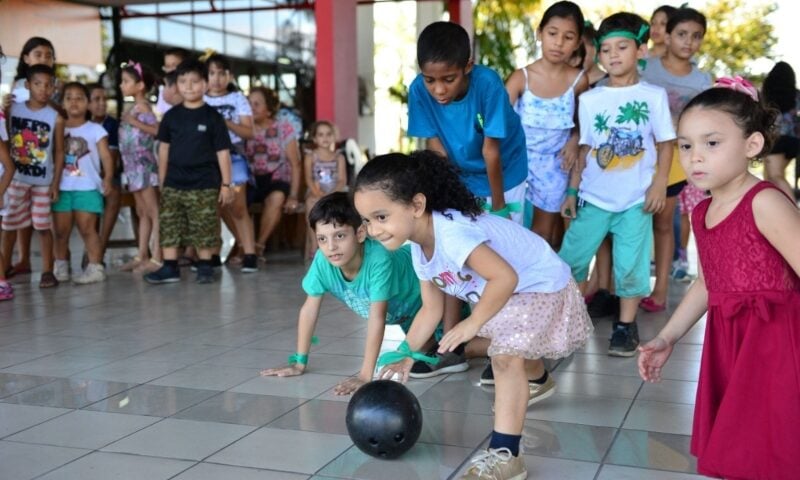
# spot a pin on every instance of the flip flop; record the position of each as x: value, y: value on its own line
x: 17, y: 270
x: 649, y: 305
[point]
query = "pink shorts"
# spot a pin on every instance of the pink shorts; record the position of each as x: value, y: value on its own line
x: 689, y: 197
x: 27, y: 204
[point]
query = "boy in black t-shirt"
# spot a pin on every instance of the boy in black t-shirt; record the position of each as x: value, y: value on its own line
x: 194, y: 169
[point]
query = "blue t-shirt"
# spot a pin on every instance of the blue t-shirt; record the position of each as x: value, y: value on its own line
x: 461, y: 126
x: 112, y: 127
x: 384, y: 276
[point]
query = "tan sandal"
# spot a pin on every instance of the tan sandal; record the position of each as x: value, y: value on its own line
x: 131, y: 264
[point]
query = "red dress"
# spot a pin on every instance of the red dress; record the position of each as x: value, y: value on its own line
x: 747, y: 412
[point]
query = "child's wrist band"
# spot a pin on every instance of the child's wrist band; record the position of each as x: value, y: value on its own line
x: 301, y: 358
x: 572, y: 192
x: 403, y: 352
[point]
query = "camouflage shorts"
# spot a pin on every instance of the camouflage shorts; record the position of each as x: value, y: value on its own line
x: 189, y: 217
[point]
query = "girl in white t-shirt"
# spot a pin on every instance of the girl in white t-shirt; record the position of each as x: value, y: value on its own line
x: 522, y: 294
x: 82, y: 188
x: 235, y: 108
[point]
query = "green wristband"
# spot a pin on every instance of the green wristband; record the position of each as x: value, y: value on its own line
x: 301, y: 358
x: 572, y: 192
x: 404, y: 351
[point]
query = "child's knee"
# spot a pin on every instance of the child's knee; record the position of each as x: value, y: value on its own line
x: 506, y: 363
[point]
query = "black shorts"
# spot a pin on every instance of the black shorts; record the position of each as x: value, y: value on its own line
x: 786, y: 145
x: 674, y: 189
x: 264, y: 185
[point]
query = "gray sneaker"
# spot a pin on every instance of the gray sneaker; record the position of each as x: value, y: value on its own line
x: 61, y: 270
x: 93, y: 273
x: 449, y: 362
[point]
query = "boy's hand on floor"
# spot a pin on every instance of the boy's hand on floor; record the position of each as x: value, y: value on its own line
x: 289, y: 371
x: 401, y: 369
x: 348, y: 386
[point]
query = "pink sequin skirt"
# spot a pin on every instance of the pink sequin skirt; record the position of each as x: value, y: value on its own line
x: 539, y: 325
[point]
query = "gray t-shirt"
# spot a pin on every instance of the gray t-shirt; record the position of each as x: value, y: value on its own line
x: 680, y: 89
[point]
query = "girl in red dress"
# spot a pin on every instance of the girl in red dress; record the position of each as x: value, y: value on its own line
x: 747, y: 411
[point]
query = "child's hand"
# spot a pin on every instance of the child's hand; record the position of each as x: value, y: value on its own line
x: 290, y: 205
x: 53, y: 193
x: 569, y: 209
x: 348, y: 386
x: 289, y: 371
x: 401, y: 368
x: 652, y: 356
x: 569, y: 154
x: 656, y: 197
x: 226, y: 195
x: 7, y: 99
x: 463, y: 332
x: 108, y: 187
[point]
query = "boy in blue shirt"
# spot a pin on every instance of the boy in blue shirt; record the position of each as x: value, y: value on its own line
x: 463, y: 112
x: 378, y: 285
x: 626, y: 130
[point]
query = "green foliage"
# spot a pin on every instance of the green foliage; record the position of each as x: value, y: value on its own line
x: 738, y: 33
x: 502, y: 29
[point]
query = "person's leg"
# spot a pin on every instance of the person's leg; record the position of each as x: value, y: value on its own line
x: 202, y: 230
x: 150, y: 197
x: 41, y: 218
x: 582, y: 239
x: 110, y: 215
x: 173, y: 224
x: 544, y: 225
x: 24, y: 249
x: 311, y: 245
x: 775, y: 171
x: 241, y: 218
x: 145, y: 228
x: 62, y: 227
x: 664, y: 249
x: 271, y: 213
x: 87, y: 226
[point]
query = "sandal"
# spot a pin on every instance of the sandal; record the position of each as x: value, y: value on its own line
x: 131, y: 264
x: 17, y: 270
x: 48, y: 280
x: 148, y: 266
x: 649, y: 305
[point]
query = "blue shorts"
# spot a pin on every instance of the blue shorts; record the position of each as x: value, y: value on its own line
x: 632, y: 236
x: 79, y: 201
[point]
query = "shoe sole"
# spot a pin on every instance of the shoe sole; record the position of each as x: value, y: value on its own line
x: 486, y: 383
x: 621, y: 353
x: 461, y: 367
x: 249, y: 270
x: 541, y: 397
x: 159, y: 282
x: 87, y: 282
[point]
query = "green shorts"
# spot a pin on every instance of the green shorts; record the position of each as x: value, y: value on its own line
x: 631, y: 238
x: 79, y: 201
x: 189, y: 217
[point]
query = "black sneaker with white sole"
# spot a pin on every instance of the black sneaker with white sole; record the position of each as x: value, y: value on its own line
x: 624, y: 340
x: 449, y: 362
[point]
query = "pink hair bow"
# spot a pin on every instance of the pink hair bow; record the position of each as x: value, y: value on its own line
x: 738, y: 84
x: 136, y: 66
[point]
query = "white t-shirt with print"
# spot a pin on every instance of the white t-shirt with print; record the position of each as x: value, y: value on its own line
x: 622, y: 126
x: 538, y: 267
x: 81, y: 159
x: 231, y: 106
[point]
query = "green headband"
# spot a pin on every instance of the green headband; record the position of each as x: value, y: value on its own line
x: 624, y: 34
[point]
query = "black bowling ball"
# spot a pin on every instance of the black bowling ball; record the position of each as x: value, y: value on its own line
x: 384, y: 419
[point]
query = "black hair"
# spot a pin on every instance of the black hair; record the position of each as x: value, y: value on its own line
x: 780, y: 87
x: 402, y: 176
x: 750, y: 115
x: 685, y: 14
x: 589, y: 32
x: 95, y: 86
x: 564, y: 9
x: 580, y: 54
x: 83, y: 89
x: 334, y: 209
x: 178, y: 52
x: 171, y: 78
x: 39, y: 69
x: 626, y: 21
x: 667, y: 10
x: 443, y: 42
x: 191, y: 65
x: 221, y: 61
x: 33, y: 42
x: 146, y: 76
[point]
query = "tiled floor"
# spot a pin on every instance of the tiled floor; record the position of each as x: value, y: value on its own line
x: 125, y: 380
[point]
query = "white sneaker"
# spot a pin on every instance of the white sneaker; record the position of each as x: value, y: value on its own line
x: 61, y: 270
x: 497, y: 464
x: 94, y: 273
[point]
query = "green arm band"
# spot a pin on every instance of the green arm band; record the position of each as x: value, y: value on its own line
x: 403, y: 352
x: 505, y: 211
x: 572, y: 192
x: 300, y: 358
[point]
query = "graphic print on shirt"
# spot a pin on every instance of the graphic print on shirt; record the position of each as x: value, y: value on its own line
x: 623, y: 146
x: 227, y: 111
x: 457, y: 284
x: 30, y: 141
x: 75, y: 148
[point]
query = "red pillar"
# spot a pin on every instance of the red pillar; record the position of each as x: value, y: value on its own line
x: 337, y: 65
x: 461, y: 13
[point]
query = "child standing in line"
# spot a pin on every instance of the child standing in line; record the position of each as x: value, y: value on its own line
x: 137, y: 132
x: 658, y: 30
x: 98, y: 108
x: 544, y: 94
x: 749, y: 286
x: 82, y: 188
x: 235, y: 109
x: 6, y: 175
x: 325, y: 171
x: 626, y: 129
x: 37, y: 148
x: 528, y: 306
x: 678, y: 75
x: 172, y: 58
x: 378, y: 285
x: 36, y: 51
x: 195, y: 171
